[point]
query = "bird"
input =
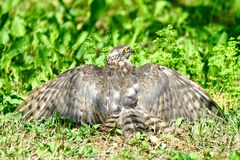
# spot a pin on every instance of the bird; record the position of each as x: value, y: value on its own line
x: 120, y: 94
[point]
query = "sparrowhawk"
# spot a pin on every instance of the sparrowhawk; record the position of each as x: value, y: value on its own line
x: 134, y: 98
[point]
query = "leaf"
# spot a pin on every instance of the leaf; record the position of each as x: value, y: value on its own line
x: 96, y: 126
x: 3, y: 19
x: 52, y: 145
x: 235, y: 155
x: 179, y: 121
x: 101, y: 60
x: 18, y: 28
x: 97, y: 9
x: 5, y: 62
x: 223, y: 38
x: 4, y: 37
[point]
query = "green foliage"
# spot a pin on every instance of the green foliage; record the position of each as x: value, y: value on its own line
x: 235, y: 156
x: 41, y: 39
x: 183, y: 156
x: 225, y: 63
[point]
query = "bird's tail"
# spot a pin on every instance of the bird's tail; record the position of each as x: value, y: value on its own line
x: 111, y: 123
x: 131, y: 121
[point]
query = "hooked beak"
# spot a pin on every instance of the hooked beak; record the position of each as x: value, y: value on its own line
x: 131, y: 51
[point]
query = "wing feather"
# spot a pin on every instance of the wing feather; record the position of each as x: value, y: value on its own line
x: 167, y: 94
x: 77, y: 94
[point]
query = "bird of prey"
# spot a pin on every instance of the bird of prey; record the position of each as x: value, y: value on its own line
x: 134, y: 98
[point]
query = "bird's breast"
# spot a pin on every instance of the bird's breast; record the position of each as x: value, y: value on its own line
x: 123, y: 88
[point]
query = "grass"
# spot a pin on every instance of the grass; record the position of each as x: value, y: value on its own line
x: 60, y: 139
x: 41, y: 39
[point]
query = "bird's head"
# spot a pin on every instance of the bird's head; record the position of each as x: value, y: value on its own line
x: 120, y: 53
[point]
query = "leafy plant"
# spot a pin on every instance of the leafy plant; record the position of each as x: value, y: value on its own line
x: 41, y: 39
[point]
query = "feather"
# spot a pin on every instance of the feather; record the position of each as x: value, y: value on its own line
x: 131, y: 121
x: 169, y: 95
x: 136, y: 99
x: 74, y: 94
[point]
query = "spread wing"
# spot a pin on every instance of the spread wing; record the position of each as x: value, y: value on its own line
x: 77, y: 94
x: 169, y: 95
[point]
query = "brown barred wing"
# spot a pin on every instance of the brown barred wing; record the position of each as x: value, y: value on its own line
x: 77, y: 94
x: 168, y: 95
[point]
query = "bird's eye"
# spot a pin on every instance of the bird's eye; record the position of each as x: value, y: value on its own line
x: 126, y: 50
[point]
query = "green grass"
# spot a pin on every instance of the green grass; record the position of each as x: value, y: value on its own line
x: 55, y: 138
x: 41, y: 39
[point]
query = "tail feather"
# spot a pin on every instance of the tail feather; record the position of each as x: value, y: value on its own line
x: 132, y: 120
x: 153, y: 123
x: 110, y: 123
